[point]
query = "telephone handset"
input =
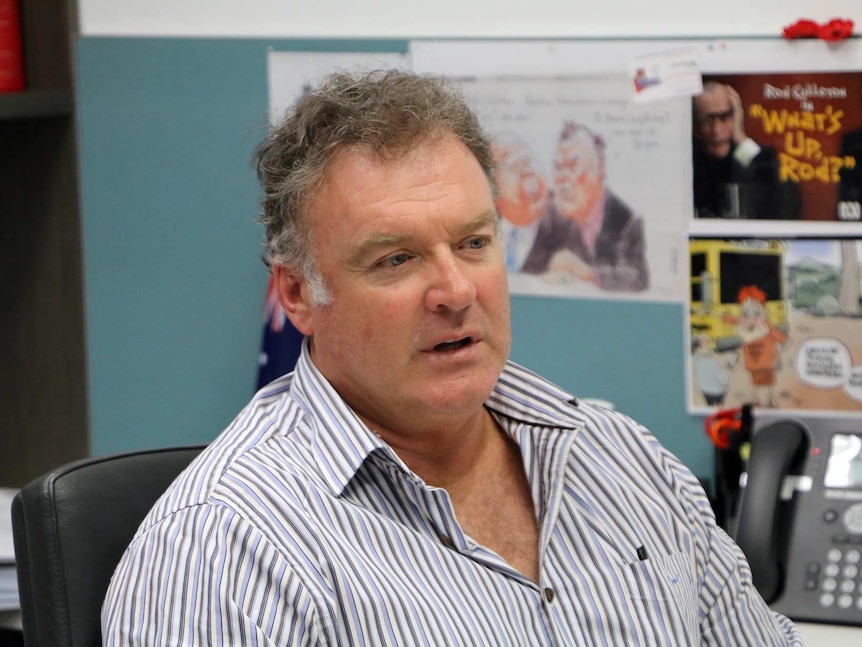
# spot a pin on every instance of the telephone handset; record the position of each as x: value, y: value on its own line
x: 761, y: 531
x: 800, y: 518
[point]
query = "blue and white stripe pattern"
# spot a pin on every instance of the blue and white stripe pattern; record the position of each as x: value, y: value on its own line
x: 298, y: 526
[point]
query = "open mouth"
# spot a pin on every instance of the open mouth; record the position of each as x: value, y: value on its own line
x: 453, y: 345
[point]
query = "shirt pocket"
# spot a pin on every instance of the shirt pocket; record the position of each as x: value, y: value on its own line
x: 662, y: 592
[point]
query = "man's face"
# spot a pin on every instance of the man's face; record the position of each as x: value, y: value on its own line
x: 713, y: 122
x: 578, y: 176
x: 523, y: 192
x: 418, y: 329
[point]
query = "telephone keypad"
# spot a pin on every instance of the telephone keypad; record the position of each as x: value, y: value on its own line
x: 839, y: 580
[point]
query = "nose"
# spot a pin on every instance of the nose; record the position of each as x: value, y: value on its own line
x: 451, y: 287
x: 718, y: 128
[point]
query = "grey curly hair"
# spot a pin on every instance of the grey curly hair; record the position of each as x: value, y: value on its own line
x: 387, y: 112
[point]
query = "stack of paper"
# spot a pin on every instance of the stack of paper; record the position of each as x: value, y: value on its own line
x: 8, y: 578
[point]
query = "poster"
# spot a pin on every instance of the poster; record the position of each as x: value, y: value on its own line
x: 591, y: 191
x: 778, y: 146
x: 776, y: 323
x: 774, y: 307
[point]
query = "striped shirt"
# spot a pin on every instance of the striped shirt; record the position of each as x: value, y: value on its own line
x: 299, y: 526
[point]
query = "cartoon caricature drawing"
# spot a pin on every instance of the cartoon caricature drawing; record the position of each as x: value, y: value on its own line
x: 761, y: 343
x: 523, y: 196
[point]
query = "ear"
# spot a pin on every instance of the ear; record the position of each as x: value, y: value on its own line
x: 294, y: 298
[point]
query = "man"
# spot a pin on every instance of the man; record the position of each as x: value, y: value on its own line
x: 589, y: 233
x: 406, y: 484
x: 522, y: 196
x: 734, y: 177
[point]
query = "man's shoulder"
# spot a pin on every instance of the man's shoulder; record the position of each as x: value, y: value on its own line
x: 767, y: 153
x: 615, y: 204
x: 618, y: 214
x: 269, y: 419
x: 851, y: 140
x: 602, y: 435
x: 528, y: 397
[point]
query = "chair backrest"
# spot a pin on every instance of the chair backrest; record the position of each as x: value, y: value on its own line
x: 70, y: 528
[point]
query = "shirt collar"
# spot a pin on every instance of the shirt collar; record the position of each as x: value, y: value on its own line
x: 343, y: 442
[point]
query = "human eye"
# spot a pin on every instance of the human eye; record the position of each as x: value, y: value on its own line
x: 476, y: 243
x: 393, y: 260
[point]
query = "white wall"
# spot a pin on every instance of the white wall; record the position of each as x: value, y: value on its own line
x: 458, y: 18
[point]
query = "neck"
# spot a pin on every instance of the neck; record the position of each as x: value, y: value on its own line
x: 451, y: 458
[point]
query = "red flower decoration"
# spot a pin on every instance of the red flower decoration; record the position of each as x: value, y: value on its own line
x: 836, y: 29
x: 803, y: 28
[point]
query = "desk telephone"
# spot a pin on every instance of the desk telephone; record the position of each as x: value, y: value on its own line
x: 800, y: 518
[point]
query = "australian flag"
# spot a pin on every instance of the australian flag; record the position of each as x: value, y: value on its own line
x: 281, y: 341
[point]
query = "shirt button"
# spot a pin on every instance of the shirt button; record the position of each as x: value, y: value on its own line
x: 445, y: 540
x: 549, y: 594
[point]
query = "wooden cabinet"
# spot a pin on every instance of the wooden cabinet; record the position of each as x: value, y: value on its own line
x: 43, y: 386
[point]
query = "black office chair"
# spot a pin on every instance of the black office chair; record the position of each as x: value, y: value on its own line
x: 70, y: 528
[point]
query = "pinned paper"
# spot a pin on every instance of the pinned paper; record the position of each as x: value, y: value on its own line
x: 670, y: 73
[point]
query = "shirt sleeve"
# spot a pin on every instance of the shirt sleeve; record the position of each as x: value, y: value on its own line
x: 746, y: 151
x: 203, y: 576
x: 732, y: 612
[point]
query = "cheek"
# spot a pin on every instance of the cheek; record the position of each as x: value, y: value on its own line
x: 391, y: 320
x: 493, y: 291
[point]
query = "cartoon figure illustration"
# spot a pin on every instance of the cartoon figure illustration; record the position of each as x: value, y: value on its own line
x: 523, y: 196
x: 711, y: 372
x: 589, y: 233
x: 761, y: 343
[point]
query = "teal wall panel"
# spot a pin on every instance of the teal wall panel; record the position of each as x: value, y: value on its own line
x: 173, y: 278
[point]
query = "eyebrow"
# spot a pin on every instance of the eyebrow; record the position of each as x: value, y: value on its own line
x: 716, y: 114
x: 382, y: 240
